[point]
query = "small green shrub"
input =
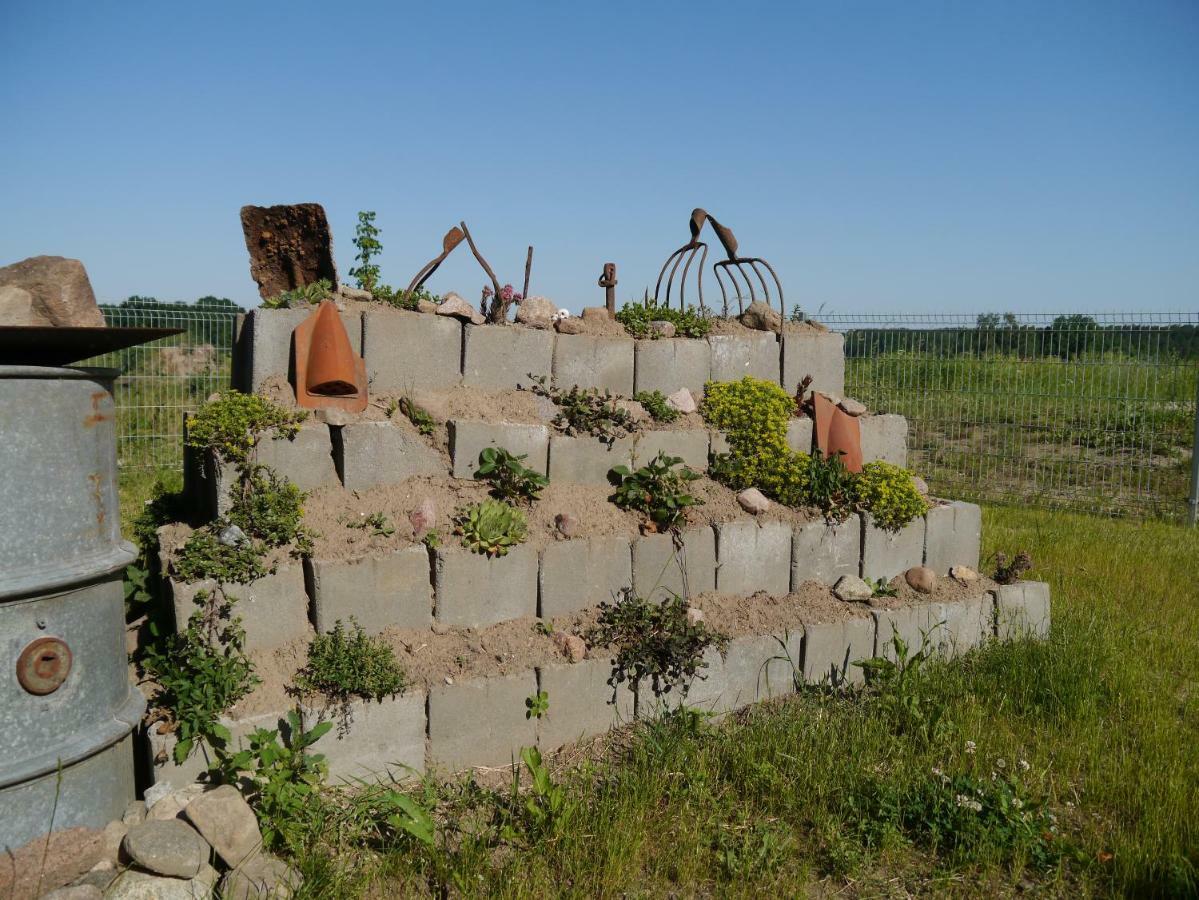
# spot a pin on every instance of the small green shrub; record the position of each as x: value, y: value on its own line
x: 889, y: 494
x: 537, y: 705
x: 657, y: 489
x: 344, y: 664
x: 654, y: 642
x: 655, y: 404
x: 586, y: 411
x: 305, y: 295
x: 510, y: 480
x: 270, y: 508
x: 376, y: 523
x: 636, y: 318
x: 204, y: 556
x: 491, y: 527
x: 410, y: 300
x: 753, y: 414
x: 881, y: 587
x: 231, y: 423
x: 202, y: 672
x: 829, y: 486
x: 366, y: 239
x: 418, y: 416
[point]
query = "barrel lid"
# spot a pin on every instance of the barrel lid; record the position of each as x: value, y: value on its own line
x: 42, y: 345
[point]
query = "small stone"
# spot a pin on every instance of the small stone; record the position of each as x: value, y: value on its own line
x: 536, y: 312
x: 427, y: 306
x: 449, y: 680
x: 169, y: 807
x: 571, y: 325
x: 423, y: 518
x: 964, y: 574
x: 353, y: 293
x: 453, y: 305
x: 547, y: 409
x: 225, y: 820
x: 101, y: 875
x: 232, y: 536
x: 635, y: 411
x: 921, y: 578
x: 761, y: 317
x: 567, y: 525
x: 336, y: 417
x: 114, y: 834
x: 261, y: 876
x: 661, y: 329
x: 921, y: 485
x: 167, y: 848
x: 135, y: 812
x: 682, y: 400
x: 753, y: 501
x: 152, y: 795
x: 75, y: 892
x: 596, y: 314
x: 852, y: 588
x: 694, y: 616
x: 572, y: 646
x: 852, y: 407
x: 135, y: 885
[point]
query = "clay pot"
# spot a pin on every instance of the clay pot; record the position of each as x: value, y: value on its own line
x: 328, y: 372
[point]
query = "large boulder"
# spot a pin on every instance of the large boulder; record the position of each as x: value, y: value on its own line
x: 290, y: 246
x: 48, y: 290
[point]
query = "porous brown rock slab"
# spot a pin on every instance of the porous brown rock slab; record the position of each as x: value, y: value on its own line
x: 289, y: 245
x: 48, y: 290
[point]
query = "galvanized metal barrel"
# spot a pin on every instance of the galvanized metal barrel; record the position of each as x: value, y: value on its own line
x: 67, y: 707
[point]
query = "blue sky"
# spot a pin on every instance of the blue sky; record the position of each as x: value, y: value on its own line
x: 885, y: 157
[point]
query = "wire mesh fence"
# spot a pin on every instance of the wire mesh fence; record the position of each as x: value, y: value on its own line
x: 1094, y: 413
x: 162, y: 380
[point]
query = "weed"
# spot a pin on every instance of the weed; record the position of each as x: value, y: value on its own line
x: 510, y: 480
x: 491, y: 527
x: 636, y: 318
x: 656, y: 489
x: 750, y: 851
x: 232, y: 423
x: 417, y: 415
x: 270, y: 508
x: 545, y: 802
x: 829, y: 486
x: 1011, y: 572
x: 305, y: 295
x: 366, y: 239
x: 201, y: 672
x: 537, y: 705
x: 881, y: 587
x: 343, y: 664
x: 376, y: 523
x: 654, y: 642
x: 204, y: 556
x: 585, y: 411
x: 902, y: 688
x: 432, y: 539
x: 544, y: 627
x: 655, y: 404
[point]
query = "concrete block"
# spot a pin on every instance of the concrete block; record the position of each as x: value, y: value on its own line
x: 953, y: 535
x: 603, y: 363
x: 473, y: 590
x: 921, y: 626
x: 823, y: 553
x: 884, y: 438
x: 163, y: 768
x: 754, y: 668
x: 273, y: 609
x: 586, y: 460
x: 736, y: 355
x: 390, y: 590
x: 704, y: 691
x: 832, y: 648
x: 407, y: 350
x: 305, y: 460
x: 968, y: 624
x: 579, y: 702
x: 886, y: 554
x: 374, y: 453
x: 371, y: 739
x: 691, y: 445
x: 480, y: 721
x: 500, y: 357
x: 753, y: 556
x: 1022, y: 610
x: 718, y: 442
x: 671, y: 363
x: 267, y: 335
x: 659, y: 569
x: 799, y: 435
x: 579, y: 574
x: 815, y: 353
x: 469, y: 439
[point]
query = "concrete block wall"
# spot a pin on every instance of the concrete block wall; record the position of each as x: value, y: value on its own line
x: 481, y: 721
x: 380, y: 592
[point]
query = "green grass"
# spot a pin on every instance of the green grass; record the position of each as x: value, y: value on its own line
x: 819, y: 794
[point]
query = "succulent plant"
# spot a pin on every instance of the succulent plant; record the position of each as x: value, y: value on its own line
x: 490, y: 527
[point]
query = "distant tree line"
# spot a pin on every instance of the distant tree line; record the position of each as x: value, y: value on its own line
x: 150, y: 312
x: 1065, y: 337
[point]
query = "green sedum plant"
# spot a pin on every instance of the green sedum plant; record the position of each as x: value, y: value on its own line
x: 655, y: 404
x: 653, y: 642
x: 346, y: 663
x: 305, y: 295
x: 491, y: 527
x: 510, y: 480
x: 204, y: 556
x: 231, y: 423
x: 657, y: 489
x: 637, y: 316
x: 889, y: 494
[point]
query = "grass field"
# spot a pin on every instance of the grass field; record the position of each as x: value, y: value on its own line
x: 823, y: 795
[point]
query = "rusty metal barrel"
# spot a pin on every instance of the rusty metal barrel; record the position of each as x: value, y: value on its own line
x: 67, y: 706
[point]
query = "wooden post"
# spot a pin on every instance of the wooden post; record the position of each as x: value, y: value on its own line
x: 608, y: 282
x: 528, y: 269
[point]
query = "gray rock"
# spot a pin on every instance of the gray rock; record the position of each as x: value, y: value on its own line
x: 536, y: 312
x: 682, y: 400
x: 753, y: 501
x: 661, y: 329
x: 426, y: 306
x: 156, y: 791
x: 232, y: 536
x: 353, y: 293
x: 571, y: 325
x: 852, y: 407
x: 101, y: 875
x: 423, y: 518
x: 964, y: 574
x: 455, y: 306
x: 135, y: 812
x: 225, y: 820
x: 547, y: 409
x: 135, y: 885
x: 921, y: 578
x: 261, y: 876
x: 635, y: 410
x: 567, y: 525
x: 50, y: 290
x: 761, y: 317
x: 170, y: 847
x: 850, y: 588
x: 114, y: 836
x: 75, y: 892
x: 336, y: 417
x: 597, y: 314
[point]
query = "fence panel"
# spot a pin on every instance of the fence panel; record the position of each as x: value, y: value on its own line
x: 1094, y: 413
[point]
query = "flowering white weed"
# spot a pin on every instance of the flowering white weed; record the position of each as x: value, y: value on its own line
x: 970, y: 747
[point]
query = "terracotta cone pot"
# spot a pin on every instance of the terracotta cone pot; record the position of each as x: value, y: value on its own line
x: 328, y: 372
x: 845, y: 437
